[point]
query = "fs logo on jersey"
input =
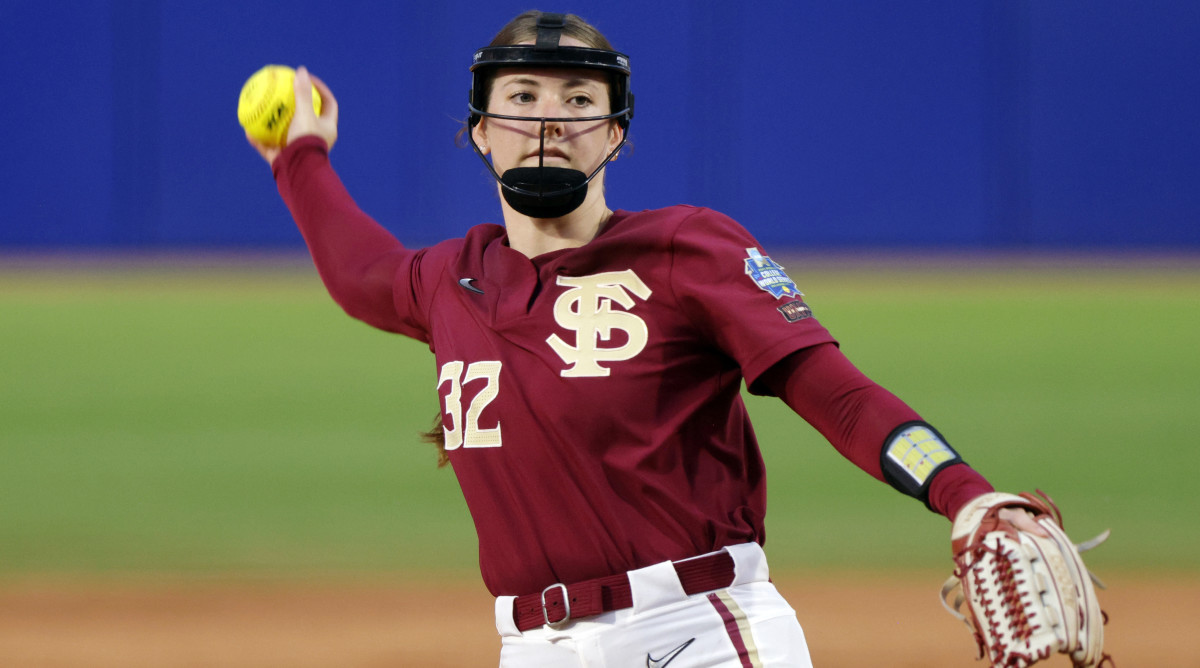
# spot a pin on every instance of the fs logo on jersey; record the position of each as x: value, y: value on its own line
x: 768, y: 275
x: 586, y: 307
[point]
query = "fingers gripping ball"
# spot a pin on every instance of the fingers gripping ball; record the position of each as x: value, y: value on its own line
x: 267, y: 103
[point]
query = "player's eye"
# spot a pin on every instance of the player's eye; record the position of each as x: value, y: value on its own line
x: 580, y: 101
x: 522, y: 97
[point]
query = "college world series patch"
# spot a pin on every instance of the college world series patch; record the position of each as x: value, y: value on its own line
x: 768, y: 275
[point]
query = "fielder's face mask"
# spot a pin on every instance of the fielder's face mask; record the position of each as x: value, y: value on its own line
x: 548, y: 192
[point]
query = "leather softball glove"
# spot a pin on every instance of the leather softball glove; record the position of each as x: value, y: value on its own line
x: 1023, y: 596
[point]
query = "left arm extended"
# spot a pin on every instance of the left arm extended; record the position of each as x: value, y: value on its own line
x: 861, y: 419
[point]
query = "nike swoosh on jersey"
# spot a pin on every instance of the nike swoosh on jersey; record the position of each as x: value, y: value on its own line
x: 652, y: 662
x: 469, y: 283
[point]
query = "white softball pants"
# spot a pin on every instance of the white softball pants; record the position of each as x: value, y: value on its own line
x: 747, y: 625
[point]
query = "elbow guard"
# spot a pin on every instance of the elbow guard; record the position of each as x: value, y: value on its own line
x: 912, y: 455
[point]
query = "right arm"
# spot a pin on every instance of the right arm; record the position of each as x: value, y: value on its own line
x: 357, y: 258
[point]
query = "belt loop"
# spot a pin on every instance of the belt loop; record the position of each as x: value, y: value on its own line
x: 506, y: 624
x: 655, y: 585
x: 749, y: 563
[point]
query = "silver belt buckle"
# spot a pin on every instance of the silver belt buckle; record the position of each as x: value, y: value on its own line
x: 566, y: 606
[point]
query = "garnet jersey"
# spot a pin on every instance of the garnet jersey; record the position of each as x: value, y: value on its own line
x: 590, y: 396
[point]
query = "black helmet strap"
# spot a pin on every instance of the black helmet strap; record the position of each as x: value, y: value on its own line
x: 549, y: 31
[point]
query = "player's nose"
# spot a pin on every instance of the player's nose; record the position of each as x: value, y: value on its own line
x: 551, y: 128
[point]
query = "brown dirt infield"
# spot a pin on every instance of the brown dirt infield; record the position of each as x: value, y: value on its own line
x: 850, y: 622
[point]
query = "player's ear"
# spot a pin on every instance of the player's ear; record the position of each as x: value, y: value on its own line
x: 479, y: 132
x: 615, y: 134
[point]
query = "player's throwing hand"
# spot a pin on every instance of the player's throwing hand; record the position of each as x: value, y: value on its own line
x: 305, y: 120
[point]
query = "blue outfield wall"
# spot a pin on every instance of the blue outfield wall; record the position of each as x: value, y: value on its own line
x: 952, y: 123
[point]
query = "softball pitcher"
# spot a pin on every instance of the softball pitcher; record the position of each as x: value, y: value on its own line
x: 589, y: 362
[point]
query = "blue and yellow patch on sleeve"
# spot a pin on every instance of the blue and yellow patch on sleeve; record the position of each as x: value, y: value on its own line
x: 768, y: 275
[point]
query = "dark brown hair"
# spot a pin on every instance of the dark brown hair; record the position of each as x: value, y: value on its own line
x: 436, y: 436
x: 523, y: 28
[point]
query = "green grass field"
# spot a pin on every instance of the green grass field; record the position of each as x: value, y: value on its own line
x: 213, y: 417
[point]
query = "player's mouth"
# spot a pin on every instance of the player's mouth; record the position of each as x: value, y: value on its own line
x: 549, y: 155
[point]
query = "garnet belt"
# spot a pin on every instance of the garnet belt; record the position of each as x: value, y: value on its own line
x: 560, y: 603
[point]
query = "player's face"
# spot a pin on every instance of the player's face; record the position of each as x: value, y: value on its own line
x: 548, y: 93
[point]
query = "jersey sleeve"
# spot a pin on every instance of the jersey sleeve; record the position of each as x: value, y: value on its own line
x: 735, y: 292
x: 856, y: 415
x: 366, y: 270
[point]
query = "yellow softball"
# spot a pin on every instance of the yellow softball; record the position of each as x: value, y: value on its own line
x: 267, y: 103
